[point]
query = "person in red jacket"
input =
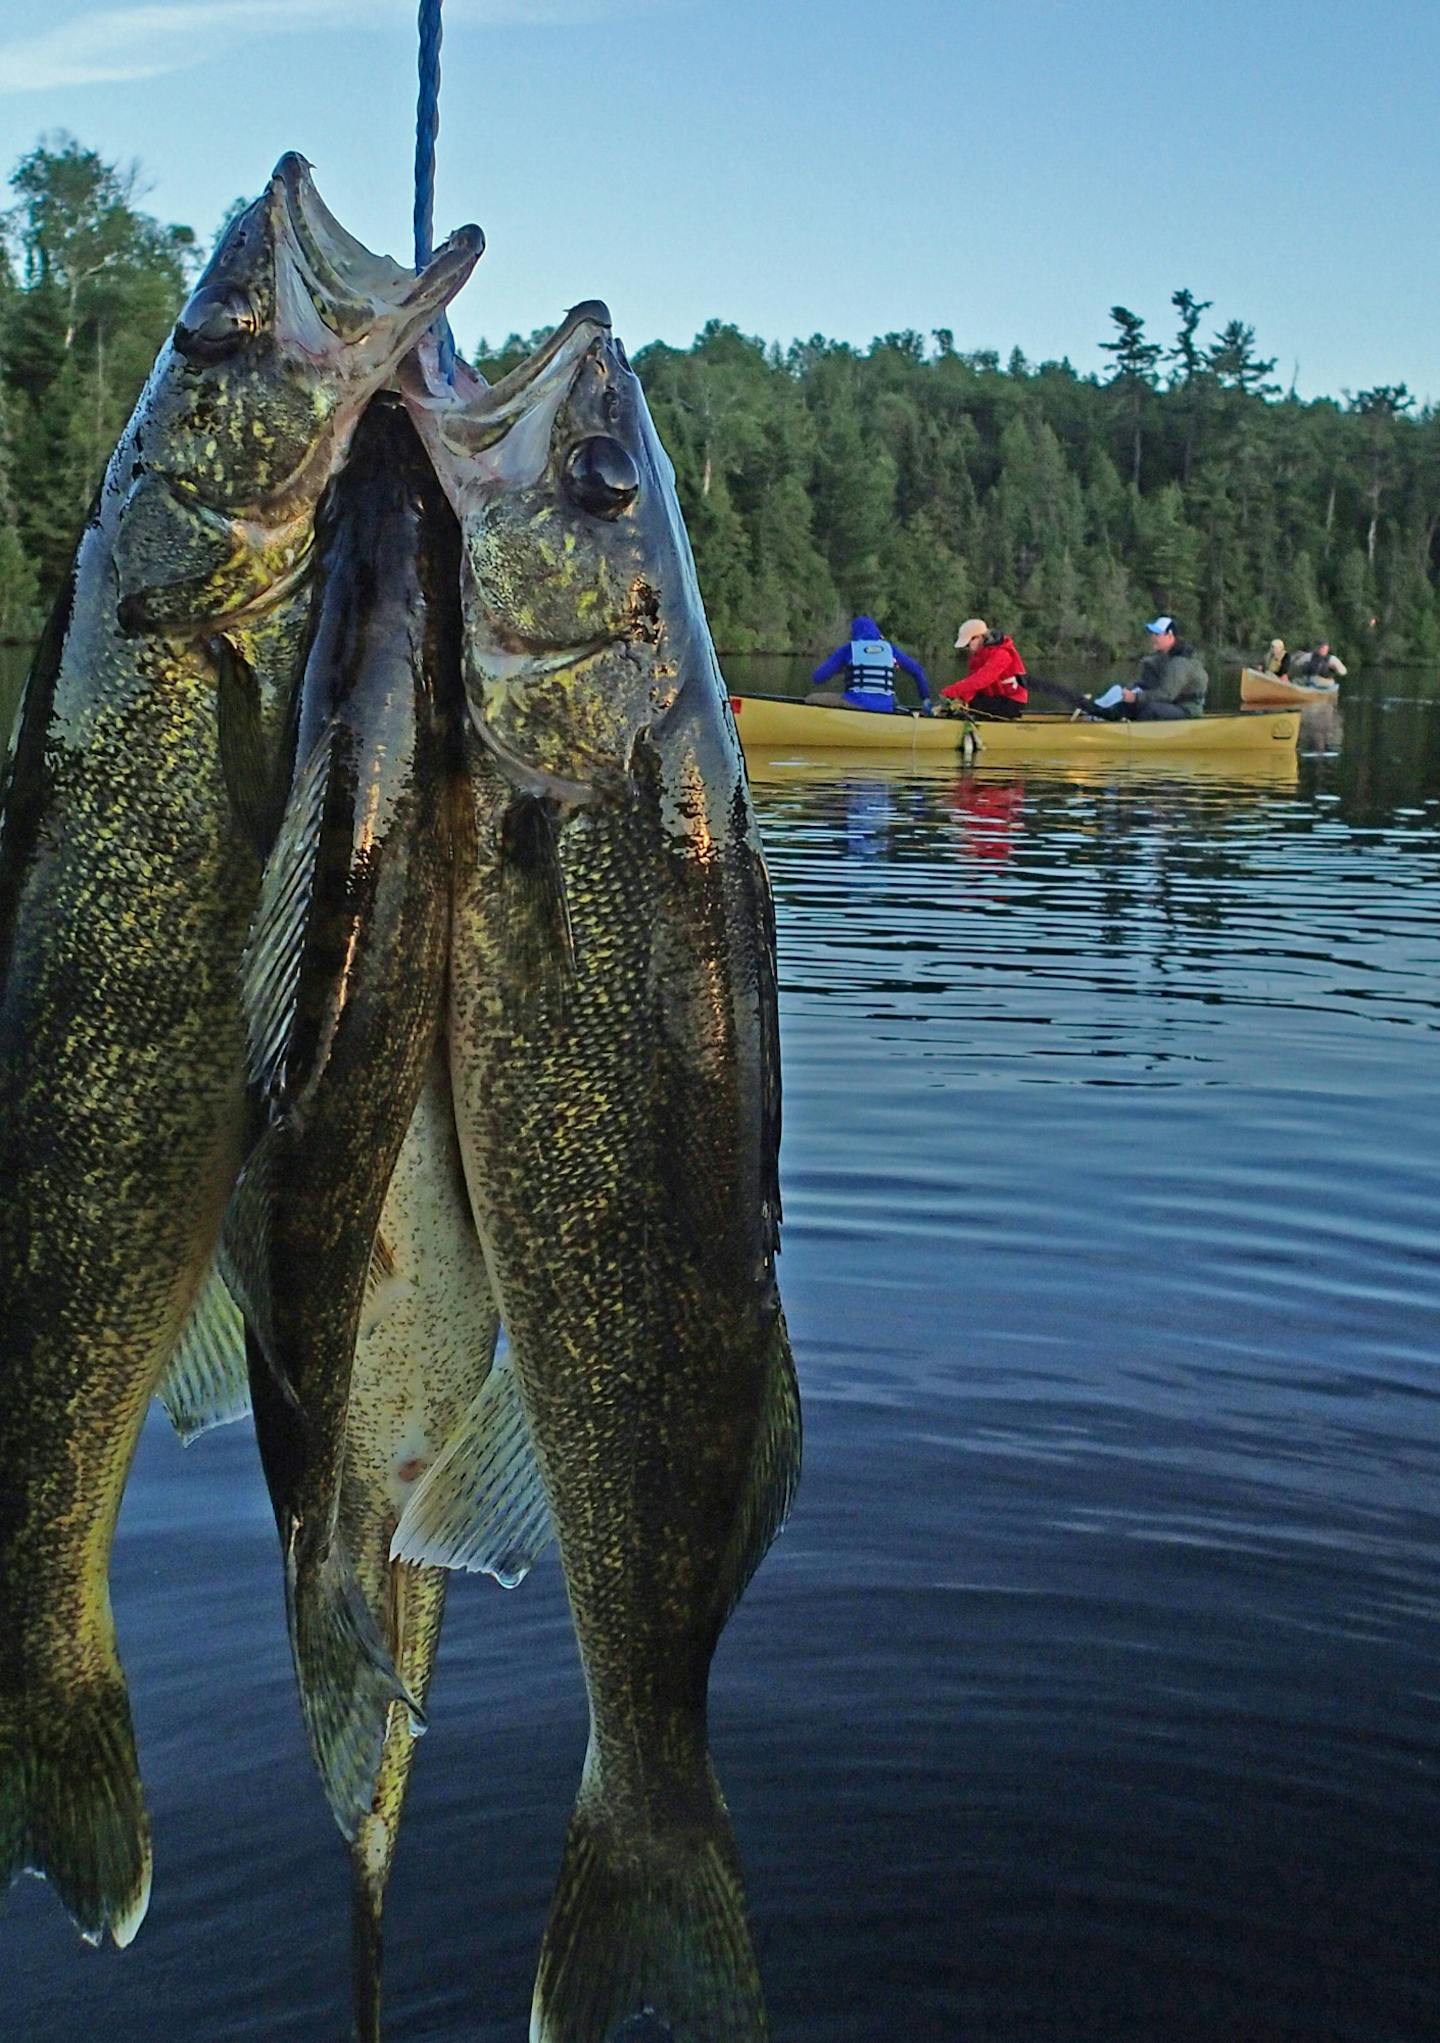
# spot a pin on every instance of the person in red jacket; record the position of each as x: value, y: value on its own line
x: 994, y: 682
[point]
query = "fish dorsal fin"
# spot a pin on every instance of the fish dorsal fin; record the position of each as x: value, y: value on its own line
x: 270, y: 973
x: 206, y: 1382
x: 774, y: 1472
x: 769, y: 1051
x: 481, y: 1506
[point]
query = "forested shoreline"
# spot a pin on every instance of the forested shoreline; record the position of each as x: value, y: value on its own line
x: 910, y: 479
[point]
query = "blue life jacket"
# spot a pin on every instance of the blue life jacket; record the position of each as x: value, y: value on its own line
x: 872, y: 673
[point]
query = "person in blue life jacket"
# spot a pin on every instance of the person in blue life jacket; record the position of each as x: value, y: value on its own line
x: 867, y: 661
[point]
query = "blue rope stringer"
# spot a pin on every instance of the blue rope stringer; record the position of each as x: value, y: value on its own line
x: 427, y: 127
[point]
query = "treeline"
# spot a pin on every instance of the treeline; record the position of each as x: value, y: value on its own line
x: 89, y: 287
x: 925, y: 484
x: 909, y: 478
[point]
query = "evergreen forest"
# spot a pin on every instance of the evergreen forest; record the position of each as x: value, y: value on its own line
x: 911, y: 478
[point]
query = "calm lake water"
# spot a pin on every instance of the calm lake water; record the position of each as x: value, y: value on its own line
x: 1093, y: 1694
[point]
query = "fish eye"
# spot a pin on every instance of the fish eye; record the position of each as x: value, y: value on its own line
x: 215, y: 323
x: 600, y: 477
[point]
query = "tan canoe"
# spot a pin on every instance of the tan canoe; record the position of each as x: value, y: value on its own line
x: 1271, y: 690
x: 769, y: 723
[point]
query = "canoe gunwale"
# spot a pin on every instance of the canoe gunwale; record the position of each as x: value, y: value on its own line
x: 782, y: 720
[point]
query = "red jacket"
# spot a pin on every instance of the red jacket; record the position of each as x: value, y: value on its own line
x: 993, y: 669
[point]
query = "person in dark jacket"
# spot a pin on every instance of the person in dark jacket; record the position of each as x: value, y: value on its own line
x: 993, y: 683
x: 1277, y: 660
x: 867, y: 662
x: 1172, y: 682
x: 1320, y: 665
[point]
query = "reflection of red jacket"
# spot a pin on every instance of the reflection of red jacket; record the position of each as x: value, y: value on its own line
x: 990, y: 813
x: 994, y: 669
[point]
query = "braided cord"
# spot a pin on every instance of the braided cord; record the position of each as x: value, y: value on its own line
x: 427, y: 128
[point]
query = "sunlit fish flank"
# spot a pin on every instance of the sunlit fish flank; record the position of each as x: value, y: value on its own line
x: 614, y: 1056
x: 343, y: 985
x: 144, y: 785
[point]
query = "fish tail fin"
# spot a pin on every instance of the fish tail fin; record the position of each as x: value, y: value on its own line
x: 647, y: 1940
x: 367, y: 1905
x: 416, y: 1607
x: 71, y: 1805
x: 372, y: 1853
x: 347, y: 1682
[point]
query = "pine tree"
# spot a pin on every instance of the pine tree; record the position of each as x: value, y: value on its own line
x: 1133, y: 375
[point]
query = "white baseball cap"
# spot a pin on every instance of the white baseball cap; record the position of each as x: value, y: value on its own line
x: 1161, y: 624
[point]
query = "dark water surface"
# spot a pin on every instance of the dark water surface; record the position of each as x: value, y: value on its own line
x: 1093, y: 1694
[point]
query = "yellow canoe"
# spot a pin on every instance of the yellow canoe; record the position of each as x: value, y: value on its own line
x: 769, y: 723
x: 1270, y: 690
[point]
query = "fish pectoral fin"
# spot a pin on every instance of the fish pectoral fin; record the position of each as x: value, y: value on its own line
x: 252, y: 775
x: 481, y: 1506
x: 774, y: 1472
x: 244, y: 1255
x: 384, y: 1287
x: 206, y: 1382
x: 647, y: 1938
x: 274, y: 955
x: 71, y: 1805
x: 535, y: 906
x: 347, y: 1682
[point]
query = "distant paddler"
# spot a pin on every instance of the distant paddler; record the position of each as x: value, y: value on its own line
x: 145, y: 784
x: 1319, y: 664
x: 993, y: 683
x: 614, y: 1050
x: 860, y: 673
x: 1172, y: 682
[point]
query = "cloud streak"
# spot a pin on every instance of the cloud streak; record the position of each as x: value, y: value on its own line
x: 116, y: 45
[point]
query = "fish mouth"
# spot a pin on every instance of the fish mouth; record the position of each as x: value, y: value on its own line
x: 503, y: 428
x: 339, y: 299
x: 486, y: 439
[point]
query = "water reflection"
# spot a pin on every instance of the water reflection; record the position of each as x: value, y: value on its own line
x: 1091, y: 1695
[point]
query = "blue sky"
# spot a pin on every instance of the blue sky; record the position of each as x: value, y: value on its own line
x: 1007, y: 168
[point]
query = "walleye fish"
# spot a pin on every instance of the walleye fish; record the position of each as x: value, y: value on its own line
x: 349, y: 1239
x: 422, y: 1362
x: 614, y: 1056
x: 343, y: 987
x: 143, y: 780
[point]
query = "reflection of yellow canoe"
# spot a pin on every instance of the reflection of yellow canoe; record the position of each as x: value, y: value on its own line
x: 772, y: 722
x: 781, y: 766
x: 1273, y: 689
